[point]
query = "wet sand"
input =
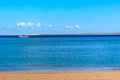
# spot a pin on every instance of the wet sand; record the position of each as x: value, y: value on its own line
x: 75, y: 75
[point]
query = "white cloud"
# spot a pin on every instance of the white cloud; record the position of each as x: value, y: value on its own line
x: 38, y: 24
x: 21, y: 24
x: 34, y: 25
x: 69, y: 26
x: 30, y: 24
x: 77, y: 26
x: 50, y: 25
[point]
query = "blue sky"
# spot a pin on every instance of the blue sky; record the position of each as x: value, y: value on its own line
x: 59, y: 16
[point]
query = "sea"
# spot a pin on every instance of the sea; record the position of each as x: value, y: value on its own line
x: 60, y: 53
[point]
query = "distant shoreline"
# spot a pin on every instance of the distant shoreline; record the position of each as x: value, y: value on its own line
x: 59, y: 35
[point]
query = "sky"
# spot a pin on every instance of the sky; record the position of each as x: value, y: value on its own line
x: 59, y: 16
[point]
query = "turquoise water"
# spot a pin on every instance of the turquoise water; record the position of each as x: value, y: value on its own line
x: 60, y: 53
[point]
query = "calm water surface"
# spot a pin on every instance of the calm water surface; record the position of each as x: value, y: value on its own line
x: 60, y: 53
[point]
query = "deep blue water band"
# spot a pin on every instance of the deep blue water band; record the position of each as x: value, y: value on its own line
x: 55, y: 53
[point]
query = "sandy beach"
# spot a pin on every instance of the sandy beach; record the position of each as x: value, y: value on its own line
x: 79, y: 75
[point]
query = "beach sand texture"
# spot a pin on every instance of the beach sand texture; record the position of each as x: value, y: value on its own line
x: 79, y: 75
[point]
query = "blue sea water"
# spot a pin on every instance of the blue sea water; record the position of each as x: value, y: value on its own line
x: 60, y: 53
